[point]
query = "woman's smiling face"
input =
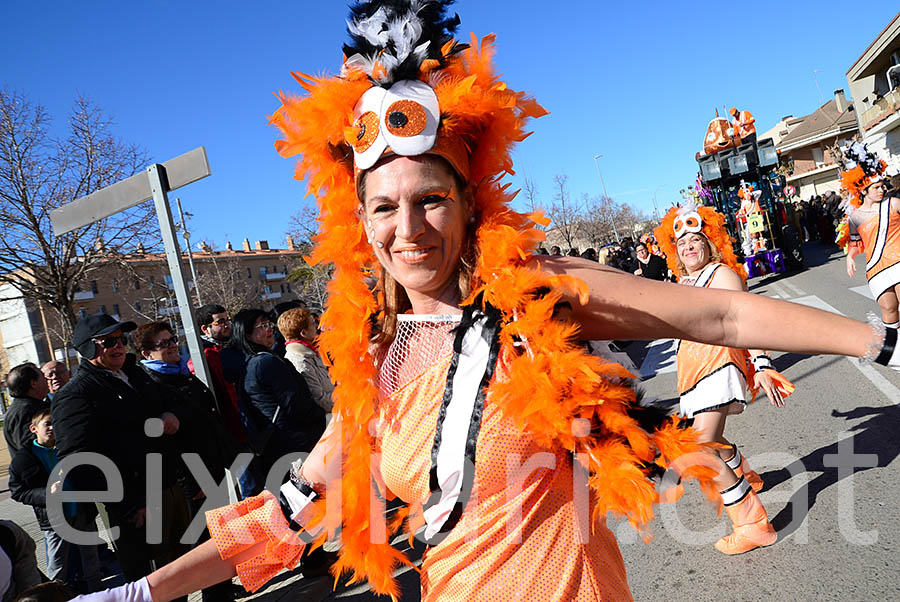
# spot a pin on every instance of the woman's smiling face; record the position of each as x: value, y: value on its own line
x: 693, y: 250
x: 415, y: 218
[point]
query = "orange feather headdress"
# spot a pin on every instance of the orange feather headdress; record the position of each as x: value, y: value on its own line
x: 860, y: 169
x: 434, y: 95
x: 711, y: 224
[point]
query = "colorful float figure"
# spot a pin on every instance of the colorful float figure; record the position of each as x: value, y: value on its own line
x: 720, y: 135
x: 752, y: 243
x: 739, y: 178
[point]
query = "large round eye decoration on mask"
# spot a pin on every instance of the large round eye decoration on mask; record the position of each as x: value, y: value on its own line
x: 689, y: 222
x: 403, y: 118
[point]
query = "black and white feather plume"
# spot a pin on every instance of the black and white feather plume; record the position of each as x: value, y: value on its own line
x: 398, y: 36
x: 855, y: 153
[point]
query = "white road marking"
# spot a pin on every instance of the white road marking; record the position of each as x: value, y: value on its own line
x: 656, y: 360
x: 794, y: 288
x: 865, y: 291
x: 869, y: 371
x: 780, y: 292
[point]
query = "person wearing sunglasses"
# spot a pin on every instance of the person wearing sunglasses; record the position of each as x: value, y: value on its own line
x: 112, y: 407
x: 201, y: 431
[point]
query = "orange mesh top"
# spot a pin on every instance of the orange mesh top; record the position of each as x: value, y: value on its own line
x: 516, y: 542
x: 868, y: 232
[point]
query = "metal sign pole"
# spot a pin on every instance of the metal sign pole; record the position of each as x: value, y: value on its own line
x: 157, y: 175
x: 154, y: 183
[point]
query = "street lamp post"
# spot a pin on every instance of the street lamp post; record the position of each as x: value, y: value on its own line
x: 606, y: 196
x: 187, y: 243
x: 655, y: 207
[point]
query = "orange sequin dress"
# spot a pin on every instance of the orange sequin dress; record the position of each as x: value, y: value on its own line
x: 710, y: 376
x: 880, y: 234
x: 515, y: 542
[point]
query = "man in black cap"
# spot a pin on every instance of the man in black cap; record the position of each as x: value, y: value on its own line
x: 112, y: 408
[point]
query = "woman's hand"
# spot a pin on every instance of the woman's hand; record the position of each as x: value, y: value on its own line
x: 851, y: 265
x: 761, y: 380
x: 170, y: 423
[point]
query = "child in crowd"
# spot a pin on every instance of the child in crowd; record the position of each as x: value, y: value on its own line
x: 29, y: 478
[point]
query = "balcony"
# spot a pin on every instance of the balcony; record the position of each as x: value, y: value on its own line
x: 83, y: 296
x: 270, y: 296
x: 884, y: 107
x: 270, y: 276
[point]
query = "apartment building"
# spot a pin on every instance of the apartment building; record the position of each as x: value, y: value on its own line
x: 803, y: 143
x: 875, y: 86
x: 138, y: 287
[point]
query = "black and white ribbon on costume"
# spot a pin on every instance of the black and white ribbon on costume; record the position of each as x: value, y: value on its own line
x: 706, y: 274
x: 762, y: 362
x: 884, y: 219
x: 475, y: 350
x: 736, y: 492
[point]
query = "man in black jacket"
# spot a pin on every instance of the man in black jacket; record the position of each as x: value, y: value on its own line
x: 29, y: 389
x: 112, y: 408
x: 649, y: 265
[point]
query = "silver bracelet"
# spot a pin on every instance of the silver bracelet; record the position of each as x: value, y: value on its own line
x: 876, y: 343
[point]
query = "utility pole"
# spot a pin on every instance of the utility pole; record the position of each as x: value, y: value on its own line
x: 606, y: 196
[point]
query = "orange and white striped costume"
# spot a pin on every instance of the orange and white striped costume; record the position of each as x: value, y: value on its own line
x: 710, y: 376
x: 879, y: 231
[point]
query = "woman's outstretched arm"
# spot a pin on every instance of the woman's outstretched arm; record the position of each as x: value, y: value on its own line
x: 199, y: 568
x: 622, y: 306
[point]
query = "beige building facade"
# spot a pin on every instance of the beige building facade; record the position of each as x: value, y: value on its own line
x: 804, y: 143
x: 138, y: 287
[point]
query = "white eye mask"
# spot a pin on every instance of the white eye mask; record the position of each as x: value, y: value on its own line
x: 404, y: 118
x: 689, y: 222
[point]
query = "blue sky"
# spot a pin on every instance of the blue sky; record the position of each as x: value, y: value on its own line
x: 636, y: 82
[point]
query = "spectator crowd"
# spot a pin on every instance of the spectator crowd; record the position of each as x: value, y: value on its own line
x: 642, y: 258
x: 151, y: 443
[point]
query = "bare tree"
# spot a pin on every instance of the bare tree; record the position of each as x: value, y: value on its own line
x: 565, y: 214
x: 39, y: 173
x: 222, y: 280
x: 303, y: 225
x: 597, y: 225
x: 529, y: 189
x: 603, y: 217
x: 311, y: 280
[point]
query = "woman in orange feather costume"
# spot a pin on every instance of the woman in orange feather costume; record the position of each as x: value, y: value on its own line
x: 873, y: 225
x: 456, y: 389
x: 713, y: 379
